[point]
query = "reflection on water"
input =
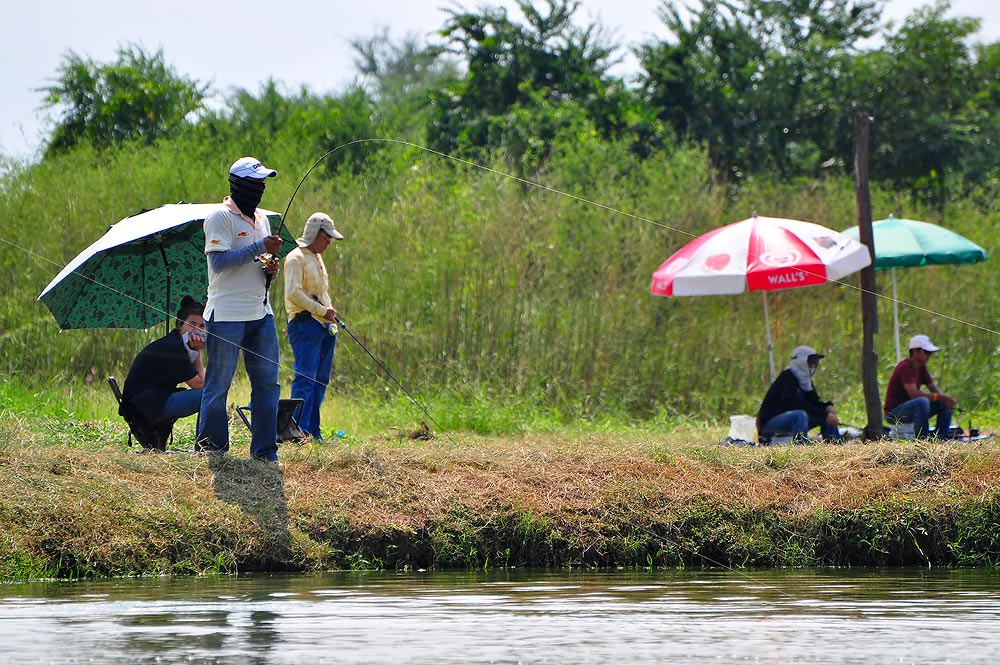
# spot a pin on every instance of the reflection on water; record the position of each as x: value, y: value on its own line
x: 517, y: 617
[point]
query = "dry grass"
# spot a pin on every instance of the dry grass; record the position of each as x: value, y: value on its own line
x: 466, y: 500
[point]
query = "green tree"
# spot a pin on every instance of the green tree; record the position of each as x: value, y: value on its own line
x: 400, y: 78
x: 981, y: 164
x: 702, y: 84
x: 755, y: 81
x: 138, y: 96
x: 396, y: 71
x: 260, y: 124
x: 932, y: 106
x: 526, y: 73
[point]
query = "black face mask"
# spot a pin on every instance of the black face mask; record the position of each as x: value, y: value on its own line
x: 245, y: 193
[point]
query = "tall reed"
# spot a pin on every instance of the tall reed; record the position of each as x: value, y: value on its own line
x: 467, y: 283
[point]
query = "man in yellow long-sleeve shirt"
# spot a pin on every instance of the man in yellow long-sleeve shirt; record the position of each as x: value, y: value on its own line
x: 312, y: 328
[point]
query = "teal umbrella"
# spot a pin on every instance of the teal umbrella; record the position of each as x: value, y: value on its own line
x: 905, y: 243
x: 129, y: 277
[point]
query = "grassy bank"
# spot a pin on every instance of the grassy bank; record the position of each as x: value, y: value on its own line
x: 78, y: 503
x: 581, y: 415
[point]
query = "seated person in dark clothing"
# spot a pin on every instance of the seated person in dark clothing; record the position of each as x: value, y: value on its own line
x: 793, y: 407
x: 151, y: 384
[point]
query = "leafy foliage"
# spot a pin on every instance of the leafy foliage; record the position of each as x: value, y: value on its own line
x: 398, y: 70
x: 138, y: 96
x: 400, y: 78
x: 261, y: 124
x: 754, y: 81
x: 522, y: 76
x: 932, y: 102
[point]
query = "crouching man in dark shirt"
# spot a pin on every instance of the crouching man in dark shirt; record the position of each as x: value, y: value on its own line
x: 151, y: 385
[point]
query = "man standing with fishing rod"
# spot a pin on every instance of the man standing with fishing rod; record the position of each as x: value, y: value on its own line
x: 238, y: 243
x: 312, y: 327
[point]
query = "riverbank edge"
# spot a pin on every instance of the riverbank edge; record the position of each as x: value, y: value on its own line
x: 469, y: 502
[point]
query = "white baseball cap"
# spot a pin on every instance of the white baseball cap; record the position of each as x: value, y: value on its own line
x: 250, y: 167
x: 923, y: 342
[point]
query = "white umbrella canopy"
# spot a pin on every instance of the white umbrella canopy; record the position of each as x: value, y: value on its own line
x: 760, y: 254
x: 124, y: 279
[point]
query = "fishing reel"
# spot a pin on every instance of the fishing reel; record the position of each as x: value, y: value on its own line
x: 268, y: 262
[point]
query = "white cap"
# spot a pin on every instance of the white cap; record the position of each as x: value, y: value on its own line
x: 923, y: 342
x: 318, y: 221
x: 250, y: 167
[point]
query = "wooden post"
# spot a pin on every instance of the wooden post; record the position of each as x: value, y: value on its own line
x: 869, y: 303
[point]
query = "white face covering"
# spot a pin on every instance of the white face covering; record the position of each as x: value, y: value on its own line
x: 800, y: 366
x: 192, y: 354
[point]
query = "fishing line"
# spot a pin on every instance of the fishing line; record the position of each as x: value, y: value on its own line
x: 158, y: 310
x: 595, y: 204
x: 340, y: 322
x: 475, y: 165
x: 712, y: 562
x: 977, y: 414
x: 546, y: 188
x: 524, y: 181
x: 385, y: 369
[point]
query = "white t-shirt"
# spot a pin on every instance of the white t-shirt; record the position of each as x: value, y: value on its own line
x: 237, y: 293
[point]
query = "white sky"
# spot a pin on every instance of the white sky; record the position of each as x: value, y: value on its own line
x: 240, y: 44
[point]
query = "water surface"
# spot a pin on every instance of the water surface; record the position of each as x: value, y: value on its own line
x: 840, y: 616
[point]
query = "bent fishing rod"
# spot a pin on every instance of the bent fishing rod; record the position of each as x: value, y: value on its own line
x: 336, y: 316
x: 267, y: 260
x: 340, y: 322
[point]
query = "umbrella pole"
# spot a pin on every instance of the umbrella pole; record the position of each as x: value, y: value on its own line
x: 770, y: 346
x: 166, y: 310
x: 895, y: 314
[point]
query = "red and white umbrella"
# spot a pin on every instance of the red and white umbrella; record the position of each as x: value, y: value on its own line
x: 760, y: 254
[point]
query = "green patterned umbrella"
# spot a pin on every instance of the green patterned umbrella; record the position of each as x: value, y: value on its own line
x: 132, y: 275
x: 905, y: 243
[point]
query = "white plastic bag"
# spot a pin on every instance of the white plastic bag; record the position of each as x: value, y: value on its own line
x: 743, y: 428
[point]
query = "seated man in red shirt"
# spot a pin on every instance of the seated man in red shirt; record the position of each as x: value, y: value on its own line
x: 905, y: 402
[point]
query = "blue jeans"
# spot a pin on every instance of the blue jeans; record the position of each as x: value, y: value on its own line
x: 798, y: 423
x: 919, y: 411
x: 259, y: 342
x: 181, y: 404
x: 795, y: 423
x: 313, y: 348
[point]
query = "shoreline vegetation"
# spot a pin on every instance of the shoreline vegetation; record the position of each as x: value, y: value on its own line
x: 502, y: 225
x: 84, y: 505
